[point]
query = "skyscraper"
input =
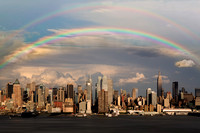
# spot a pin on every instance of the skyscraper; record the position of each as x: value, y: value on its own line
x: 148, y: 91
x: 61, y: 95
x: 89, y: 89
x: 110, y: 91
x: 175, y: 91
x: 17, y: 94
x: 159, y: 85
x: 70, y: 91
x: 89, y: 95
x: 102, y: 101
x: 134, y: 93
x: 153, y: 98
x: 41, y: 95
x: 9, y: 90
x: 105, y: 83
x: 99, y: 84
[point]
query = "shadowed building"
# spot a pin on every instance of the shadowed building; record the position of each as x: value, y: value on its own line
x: 9, y: 90
x: 70, y: 91
x: 148, y: 91
x: 175, y: 91
x: 197, y: 92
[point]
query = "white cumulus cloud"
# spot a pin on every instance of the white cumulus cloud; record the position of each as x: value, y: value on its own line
x: 185, y: 63
x: 139, y: 77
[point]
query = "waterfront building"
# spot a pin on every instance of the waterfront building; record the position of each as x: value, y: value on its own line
x: 146, y: 108
x: 17, y: 93
x: 68, y: 105
x: 158, y: 108
x: 119, y: 101
x: 82, y: 107
x: 166, y: 103
x: 159, y: 85
x: 151, y: 108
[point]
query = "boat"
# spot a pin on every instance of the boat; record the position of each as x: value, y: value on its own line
x: 81, y: 115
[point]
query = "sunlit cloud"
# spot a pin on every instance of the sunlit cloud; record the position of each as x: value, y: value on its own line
x: 185, y: 63
x: 138, y: 78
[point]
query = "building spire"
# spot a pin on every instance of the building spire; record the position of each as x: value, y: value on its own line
x: 16, y: 81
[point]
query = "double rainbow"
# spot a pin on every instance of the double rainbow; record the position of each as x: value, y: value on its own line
x: 93, y: 6
x: 96, y: 31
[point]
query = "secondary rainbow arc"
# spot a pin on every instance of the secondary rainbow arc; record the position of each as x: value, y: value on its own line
x: 83, y: 7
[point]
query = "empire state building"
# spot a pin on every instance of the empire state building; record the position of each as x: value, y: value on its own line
x: 159, y: 85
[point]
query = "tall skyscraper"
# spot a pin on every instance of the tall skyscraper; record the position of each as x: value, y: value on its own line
x: 89, y: 95
x: 159, y: 85
x: 148, y: 91
x: 17, y: 94
x: 110, y: 91
x: 61, y: 95
x: 89, y: 89
x: 70, y: 91
x: 103, y: 101
x: 175, y: 91
x: 105, y: 83
x: 99, y: 84
x: 153, y: 98
x: 134, y: 93
x: 41, y: 95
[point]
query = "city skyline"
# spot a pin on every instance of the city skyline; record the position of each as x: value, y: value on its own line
x: 128, y: 41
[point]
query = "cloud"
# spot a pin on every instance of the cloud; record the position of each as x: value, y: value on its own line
x: 49, y: 78
x: 185, y: 63
x: 165, y: 79
x: 139, y: 77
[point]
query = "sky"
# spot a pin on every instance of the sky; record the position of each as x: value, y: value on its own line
x: 64, y: 41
